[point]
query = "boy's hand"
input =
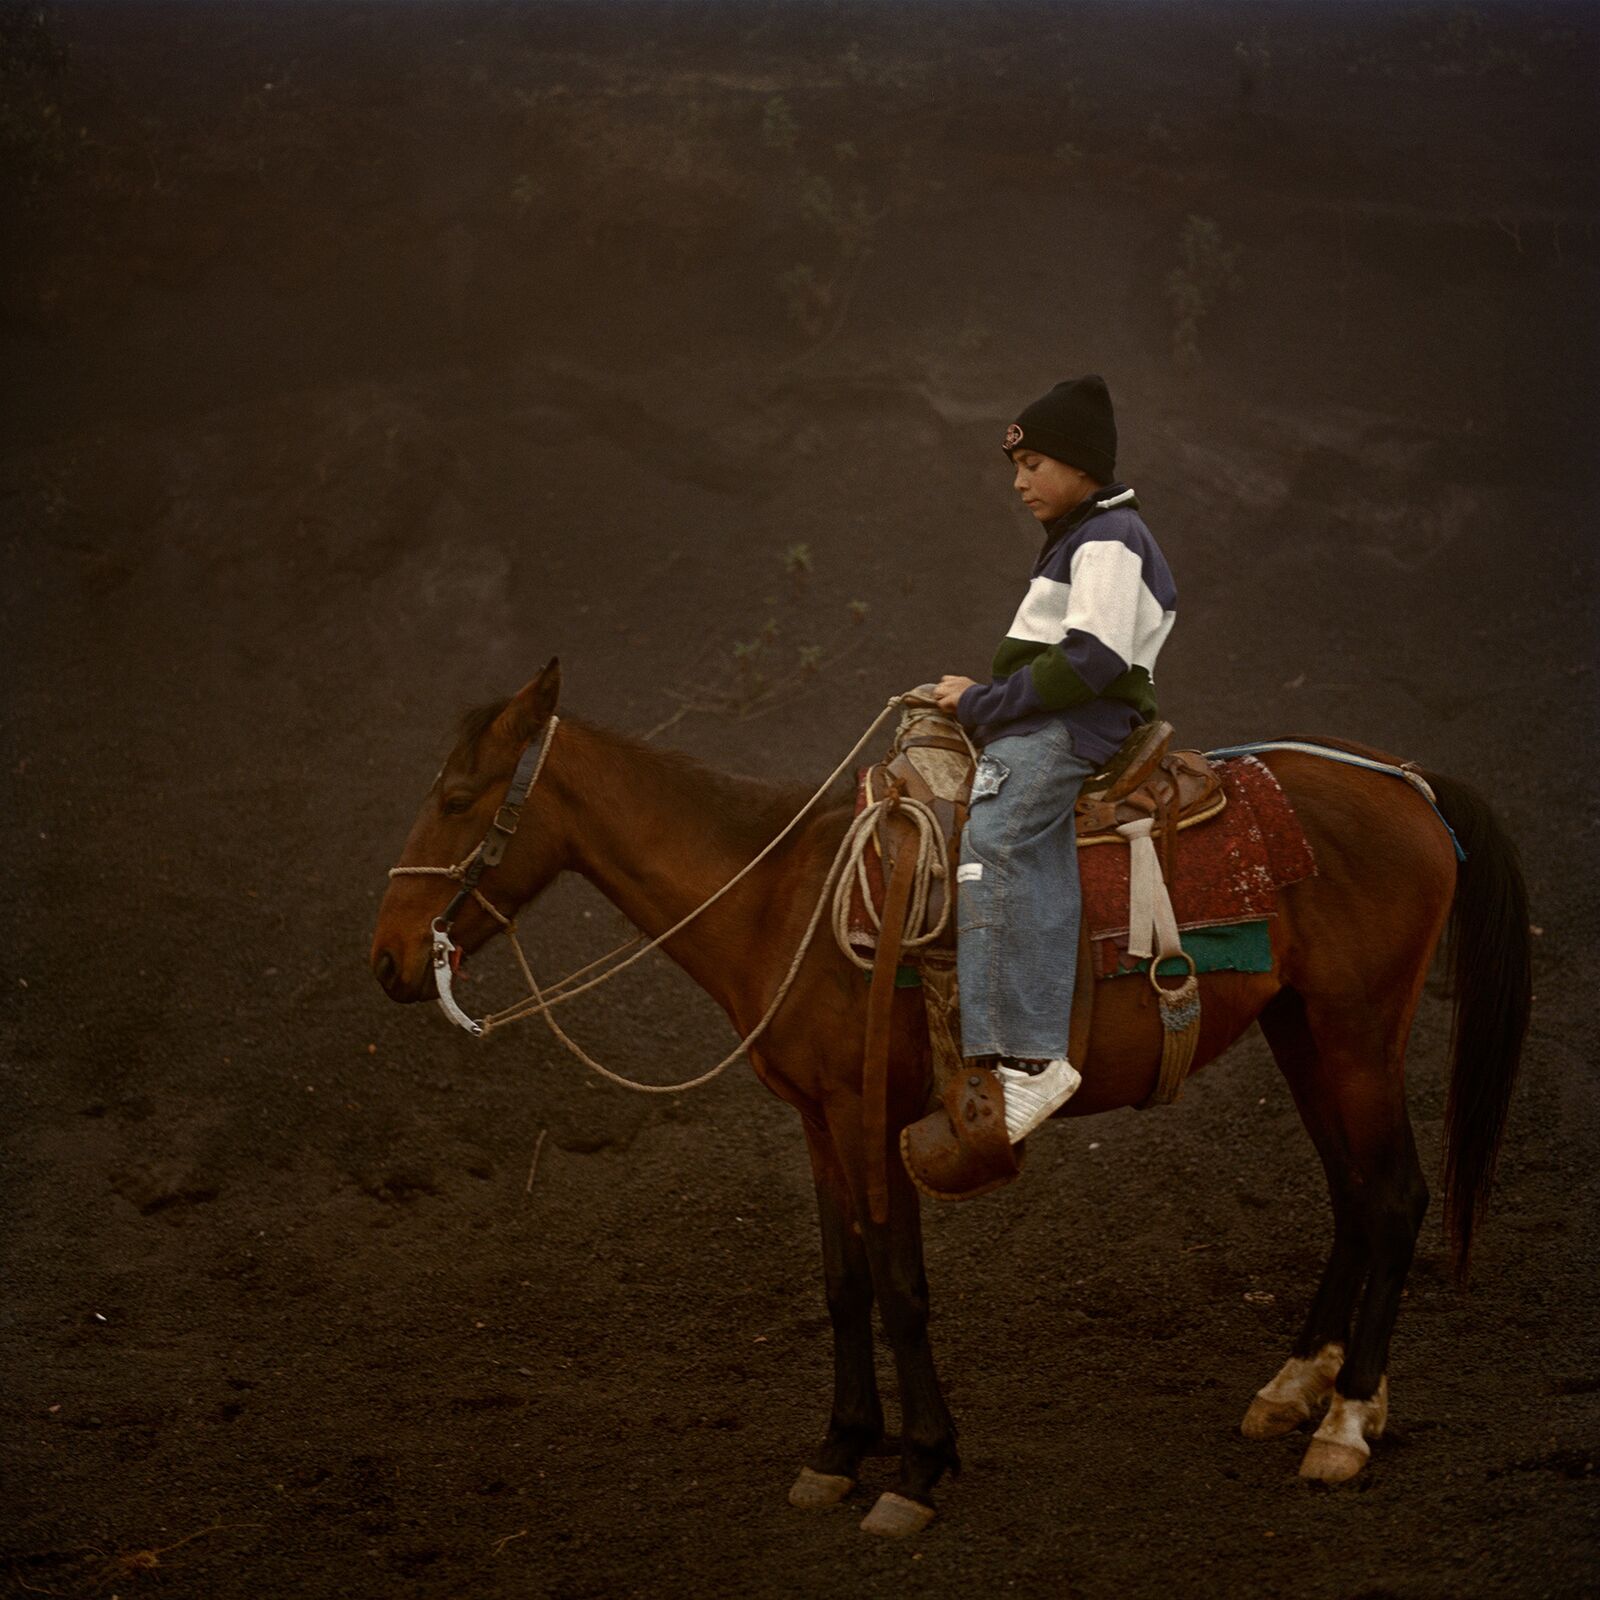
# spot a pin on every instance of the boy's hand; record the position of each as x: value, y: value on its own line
x: 949, y: 690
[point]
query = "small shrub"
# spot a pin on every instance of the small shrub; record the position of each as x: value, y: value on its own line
x: 819, y: 204
x: 34, y: 140
x: 779, y: 130
x: 806, y: 298
x: 1207, y: 272
x: 753, y: 676
x: 526, y: 192
x: 1252, y: 60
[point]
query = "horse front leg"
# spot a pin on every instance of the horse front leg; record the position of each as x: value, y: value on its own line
x: 900, y: 1282
x: 855, y: 1425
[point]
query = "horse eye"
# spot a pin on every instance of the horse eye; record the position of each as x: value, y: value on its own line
x: 453, y: 805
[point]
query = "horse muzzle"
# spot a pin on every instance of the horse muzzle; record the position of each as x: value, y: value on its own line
x: 403, y: 981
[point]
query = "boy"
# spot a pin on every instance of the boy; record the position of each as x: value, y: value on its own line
x: 1072, y: 678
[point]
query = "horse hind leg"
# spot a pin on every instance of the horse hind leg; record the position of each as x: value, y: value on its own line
x: 1303, y: 1385
x: 1350, y: 1092
x: 1390, y: 1207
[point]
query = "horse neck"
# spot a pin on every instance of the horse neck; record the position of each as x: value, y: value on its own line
x: 659, y: 836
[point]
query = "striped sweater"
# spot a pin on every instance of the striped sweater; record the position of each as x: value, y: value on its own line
x: 1083, y: 644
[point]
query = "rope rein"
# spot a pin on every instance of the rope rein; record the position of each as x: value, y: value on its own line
x: 847, y: 869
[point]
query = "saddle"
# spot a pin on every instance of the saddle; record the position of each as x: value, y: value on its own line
x: 932, y: 761
x: 1143, y: 797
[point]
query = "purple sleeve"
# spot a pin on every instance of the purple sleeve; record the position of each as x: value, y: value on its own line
x: 1001, y: 701
x: 1094, y: 661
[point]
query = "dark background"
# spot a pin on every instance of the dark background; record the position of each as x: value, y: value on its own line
x: 359, y: 358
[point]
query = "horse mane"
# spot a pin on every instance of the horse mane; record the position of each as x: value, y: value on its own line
x: 747, y: 811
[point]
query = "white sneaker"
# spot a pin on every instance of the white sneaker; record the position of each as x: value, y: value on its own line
x: 1033, y: 1096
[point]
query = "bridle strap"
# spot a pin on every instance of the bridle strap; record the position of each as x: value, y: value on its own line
x: 492, y: 847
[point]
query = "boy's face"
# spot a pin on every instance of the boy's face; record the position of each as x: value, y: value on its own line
x: 1049, y: 488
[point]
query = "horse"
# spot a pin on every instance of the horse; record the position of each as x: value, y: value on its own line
x: 658, y: 833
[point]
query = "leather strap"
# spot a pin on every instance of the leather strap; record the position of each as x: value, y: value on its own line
x: 940, y: 998
x: 880, y: 1017
x: 1083, y: 991
x: 504, y: 827
x: 1152, y: 927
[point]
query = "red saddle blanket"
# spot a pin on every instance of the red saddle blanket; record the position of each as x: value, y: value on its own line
x: 1227, y: 870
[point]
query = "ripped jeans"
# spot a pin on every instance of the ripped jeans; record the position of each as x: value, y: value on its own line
x: 1018, y: 904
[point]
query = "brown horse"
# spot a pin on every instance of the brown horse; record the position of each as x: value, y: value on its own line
x: 657, y: 834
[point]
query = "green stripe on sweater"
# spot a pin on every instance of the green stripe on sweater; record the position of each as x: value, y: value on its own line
x: 1059, y: 683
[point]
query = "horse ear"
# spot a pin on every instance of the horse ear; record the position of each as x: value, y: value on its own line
x: 531, y: 706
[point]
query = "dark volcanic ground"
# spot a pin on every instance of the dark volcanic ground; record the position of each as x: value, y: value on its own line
x: 361, y: 358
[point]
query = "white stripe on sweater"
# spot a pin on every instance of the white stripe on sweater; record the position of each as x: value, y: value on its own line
x: 1107, y: 597
x: 1110, y: 599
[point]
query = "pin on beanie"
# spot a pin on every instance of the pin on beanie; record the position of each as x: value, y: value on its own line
x: 1074, y: 423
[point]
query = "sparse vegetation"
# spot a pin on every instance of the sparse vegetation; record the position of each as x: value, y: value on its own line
x: 1207, y: 272
x: 779, y: 130
x: 1465, y: 46
x: 1159, y: 136
x: 1252, y: 60
x: 34, y: 140
x: 754, y: 675
x: 1465, y: 42
x: 807, y: 301
x: 837, y: 217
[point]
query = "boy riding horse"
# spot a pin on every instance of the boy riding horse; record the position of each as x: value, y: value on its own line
x: 1071, y: 680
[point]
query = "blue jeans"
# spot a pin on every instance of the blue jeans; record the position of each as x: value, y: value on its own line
x: 1018, y: 902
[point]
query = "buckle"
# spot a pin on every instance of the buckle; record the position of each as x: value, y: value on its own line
x: 511, y: 811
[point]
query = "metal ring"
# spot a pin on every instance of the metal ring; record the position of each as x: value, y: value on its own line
x: 1172, y: 955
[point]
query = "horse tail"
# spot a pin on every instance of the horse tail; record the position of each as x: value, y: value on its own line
x: 1491, y: 976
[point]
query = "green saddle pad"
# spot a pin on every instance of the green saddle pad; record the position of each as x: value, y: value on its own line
x: 1237, y: 947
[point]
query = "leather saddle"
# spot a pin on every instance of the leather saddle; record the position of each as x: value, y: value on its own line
x: 1177, y: 789
x: 932, y: 761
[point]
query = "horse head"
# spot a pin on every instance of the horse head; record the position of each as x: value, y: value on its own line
x: 457, y: 819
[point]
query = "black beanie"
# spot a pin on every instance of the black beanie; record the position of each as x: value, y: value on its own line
x: 1074, y: 424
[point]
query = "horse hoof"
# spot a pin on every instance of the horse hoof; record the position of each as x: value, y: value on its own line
x: 1271, y: 1419
x: 1303, y: 1384
x: 896, y: 1517
x: 815, y: 1491
x: 1328, y: 1461
x: 1339, y: 1449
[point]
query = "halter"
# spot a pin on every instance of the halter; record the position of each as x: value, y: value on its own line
x: 487, y: 853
